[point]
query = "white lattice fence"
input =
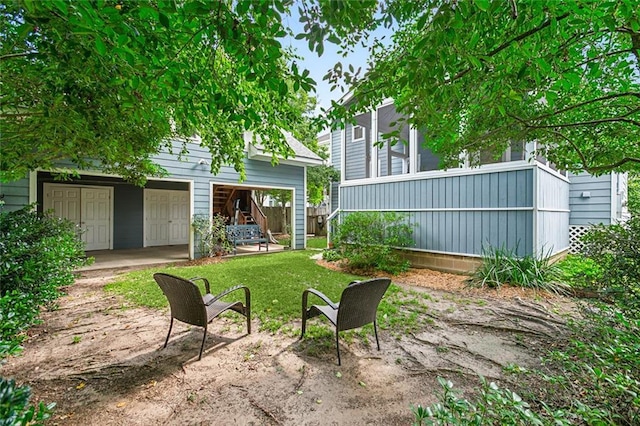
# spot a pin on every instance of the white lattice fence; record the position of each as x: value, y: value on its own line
x: 575, y: 233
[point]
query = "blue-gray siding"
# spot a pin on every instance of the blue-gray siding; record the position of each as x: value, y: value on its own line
x: 355, y: 155
x: 457, y: 214
x: 15, y: 194
x: 260, y: 173
x: 128, y: 199
x: 336, y: 149
x: 593, y: 209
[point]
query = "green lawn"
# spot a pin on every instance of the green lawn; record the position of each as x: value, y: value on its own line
x: 317, y: 242
x: 276, y: 282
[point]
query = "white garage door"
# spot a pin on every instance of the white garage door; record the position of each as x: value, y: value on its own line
x: 88, y: 207
x: 166, y: 217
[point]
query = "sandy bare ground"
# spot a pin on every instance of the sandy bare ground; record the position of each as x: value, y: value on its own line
x: 103, y: 362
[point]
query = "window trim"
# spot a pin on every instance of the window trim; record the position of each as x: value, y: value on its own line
x: 353, y: 133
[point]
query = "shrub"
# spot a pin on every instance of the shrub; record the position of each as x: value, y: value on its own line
x: 616, y: 250
x: 503, y: 267
x: 15, y: 408
x: 39, y: 254
x: 368, y: 240
x: 494, y: 406
x: 212, y: 235
x: 580, y: 272
x: 601, y: 361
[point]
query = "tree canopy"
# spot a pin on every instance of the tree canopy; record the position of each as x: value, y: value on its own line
x: 475, y: 75
x: 112, y: 82
x: 107, y: 84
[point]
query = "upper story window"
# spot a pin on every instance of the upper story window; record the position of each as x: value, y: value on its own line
x: 357, y: 133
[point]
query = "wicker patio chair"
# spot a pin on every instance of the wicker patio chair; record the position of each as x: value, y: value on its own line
x: 189, y: 306
x: 357, y: 307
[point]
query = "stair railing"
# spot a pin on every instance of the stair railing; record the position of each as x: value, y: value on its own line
x: 259, y: 216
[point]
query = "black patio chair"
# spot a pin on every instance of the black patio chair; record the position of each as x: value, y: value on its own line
x: 357, y: 307
x: 190, y: 306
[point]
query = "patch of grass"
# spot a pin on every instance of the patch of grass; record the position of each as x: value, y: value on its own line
x: 317, y: 243
x: 276, y: 282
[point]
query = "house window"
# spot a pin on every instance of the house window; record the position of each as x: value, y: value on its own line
x: 427, y: 160
x: 357, y: 133
x: 358, y: 148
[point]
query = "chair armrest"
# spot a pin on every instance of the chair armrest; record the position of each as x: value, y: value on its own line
x: 305, y: 295
x: 207, y: 287
x: 247, y: 294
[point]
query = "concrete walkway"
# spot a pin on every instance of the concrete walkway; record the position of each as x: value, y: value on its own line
x: 162, y: 255
x: 131, y: 258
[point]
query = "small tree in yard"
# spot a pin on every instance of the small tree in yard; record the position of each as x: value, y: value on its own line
x: 368, y: 240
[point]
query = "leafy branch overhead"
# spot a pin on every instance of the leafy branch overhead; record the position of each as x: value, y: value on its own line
x: 113, y: 81
x: 477, y: 75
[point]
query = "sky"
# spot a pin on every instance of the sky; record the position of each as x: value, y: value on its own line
x: 318, y: 66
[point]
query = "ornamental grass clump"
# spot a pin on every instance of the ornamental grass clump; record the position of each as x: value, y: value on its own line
x: 501, y: 266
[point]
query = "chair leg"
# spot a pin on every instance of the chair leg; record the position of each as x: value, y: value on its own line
x: 338, y: 347
x: 203, y: 339
x: 169, y: 333
x: 248, y: 310
x: 304, y: 322
x: 375, y: 330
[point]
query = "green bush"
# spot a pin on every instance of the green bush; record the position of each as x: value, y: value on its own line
x: 616, y: 250
x: 15, y: 408
x: 494, y: 406
x: 601, y: 361
x: 39, y: 253
x: 368, y: 240
x: 501, y: 266
x: 211, y: 235
x: 580, y: 272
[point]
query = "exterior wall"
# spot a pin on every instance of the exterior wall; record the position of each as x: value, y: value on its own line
x: 335, y: 148
x: 552, y: 212
x: 128, y: 204
x: 591, y: 208
x: 355, y: 155
x: 15, y: 194
x: 456, y: 214
x: 128, y: 199
x: 258, y: 173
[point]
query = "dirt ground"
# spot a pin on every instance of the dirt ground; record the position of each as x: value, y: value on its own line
x: 103, y: 362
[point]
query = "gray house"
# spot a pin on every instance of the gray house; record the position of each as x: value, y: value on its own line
x: 518, y: 202
x: 116, y: 215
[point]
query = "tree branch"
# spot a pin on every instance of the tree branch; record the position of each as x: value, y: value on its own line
x: 590, y: 101
x: 621, y: 118
x: 17, y: 55
x: 515, y: 39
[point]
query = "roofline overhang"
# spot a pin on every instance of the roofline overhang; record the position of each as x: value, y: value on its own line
x: 254, y: 153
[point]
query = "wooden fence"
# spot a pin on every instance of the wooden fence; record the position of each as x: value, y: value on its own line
x: 316, y: 219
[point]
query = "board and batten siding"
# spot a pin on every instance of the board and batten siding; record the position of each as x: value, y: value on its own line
x: 590, y: 199
x: 15, y: 194
x: 456, y: 214
x: 355, y: 155
x: 258, y: 173
x: 552, y: 212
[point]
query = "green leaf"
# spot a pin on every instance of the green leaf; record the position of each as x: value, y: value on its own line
x: 164, y: 20
x: 101, y: 48
x: 483, y: 4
